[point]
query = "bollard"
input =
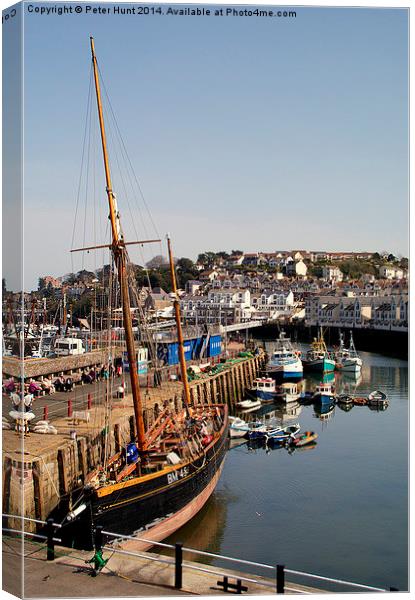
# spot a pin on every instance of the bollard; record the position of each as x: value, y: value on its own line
x: 98, y: 538
x: 89, y: 401
x: 178, y: 572
x: 280, y: 579
x: 69, y: 408
x: 50, y: 543
x: 45, y: 412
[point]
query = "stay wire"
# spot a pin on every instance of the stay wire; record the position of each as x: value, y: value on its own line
x: 127, y: 156
x: 87, y: 116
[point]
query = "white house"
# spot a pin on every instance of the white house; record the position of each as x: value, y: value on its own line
x: 296, y: 269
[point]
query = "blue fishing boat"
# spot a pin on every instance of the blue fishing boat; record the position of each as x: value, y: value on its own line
x: 264, y: 389
x: 324, y: 393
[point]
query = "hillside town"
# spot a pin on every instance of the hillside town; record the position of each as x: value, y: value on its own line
x: 339, y: 289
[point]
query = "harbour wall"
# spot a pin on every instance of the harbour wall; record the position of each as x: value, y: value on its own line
x: 57, y: 465
x: 387, y: 342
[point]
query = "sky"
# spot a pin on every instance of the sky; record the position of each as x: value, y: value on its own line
x: 244, y: 132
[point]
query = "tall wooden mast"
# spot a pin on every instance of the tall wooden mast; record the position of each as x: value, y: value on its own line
x: 120, y: 258
x: 180, y: 339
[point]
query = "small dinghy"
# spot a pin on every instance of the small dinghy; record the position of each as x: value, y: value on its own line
x: 279, y: 437
x: 305, y: 438
x: 260, y: 432
x: 249, y: 404
x: 237, y: 427
x: 345, y: 399
x: 378, y: 399
x: 360, y: 401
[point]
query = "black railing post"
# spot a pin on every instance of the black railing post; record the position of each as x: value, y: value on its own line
x: 393, y: 589
x: 98, y: 538
x: 178, y: 571
x: 280, y: 579
x: 50, y: 530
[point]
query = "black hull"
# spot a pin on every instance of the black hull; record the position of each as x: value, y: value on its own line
x: 134, y: 509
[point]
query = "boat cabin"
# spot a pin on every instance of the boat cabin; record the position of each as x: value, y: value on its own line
x: 289, y: 388
x: 264, y: 384
x: 325, y: 389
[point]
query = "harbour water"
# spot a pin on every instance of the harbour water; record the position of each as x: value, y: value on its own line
x: 339, y: 509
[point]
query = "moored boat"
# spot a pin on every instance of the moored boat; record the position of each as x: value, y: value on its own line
x: 285, y: 361
x: 166, y: 473
x: 288, y: 392
x: 345, y: 399
x: 378, y: 399
x: 281, y: 436
x: 237, y: 427
x: 318, y: 359
x: 359, y: 401
x: 305, y: 438
x: 347, y: 359
x: 324, y: 393
x: 248, y: 404
x: 263, y: 389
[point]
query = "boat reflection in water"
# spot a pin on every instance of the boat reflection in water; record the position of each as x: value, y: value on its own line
x: 324, y: 412
x: 206, y: 530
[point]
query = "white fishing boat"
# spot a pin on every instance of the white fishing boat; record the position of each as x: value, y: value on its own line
x: 347, y: 359
x: 289, y: 392
x: 285, y: 361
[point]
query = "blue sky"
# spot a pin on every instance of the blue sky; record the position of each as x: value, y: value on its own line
x: 249, y: 133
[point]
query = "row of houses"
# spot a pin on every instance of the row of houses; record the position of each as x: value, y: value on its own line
x: 282, y: 257
x: 378, y: 312
x: 235, y: 305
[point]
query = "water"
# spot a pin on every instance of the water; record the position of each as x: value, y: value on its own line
x: 339, y: 509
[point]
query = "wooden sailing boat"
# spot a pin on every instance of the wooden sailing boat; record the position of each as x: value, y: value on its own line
x: 169, y: 471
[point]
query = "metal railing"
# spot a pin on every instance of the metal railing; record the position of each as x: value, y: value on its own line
x: 279, y: 572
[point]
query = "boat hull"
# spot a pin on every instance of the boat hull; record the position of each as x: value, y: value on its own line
x: 262, y: 395
x: 154, y: 506
x: 293, y: 370
x: 323, y: 399
x: 325, y: 365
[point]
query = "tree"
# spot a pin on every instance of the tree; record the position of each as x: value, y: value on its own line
x: 85, y: 276
x: 156, y: 262
x: 71, y: 278
x: 186, y: 265
x: 41, y: 285
x: 236, y: 252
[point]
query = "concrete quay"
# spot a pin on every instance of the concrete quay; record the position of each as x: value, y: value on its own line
x: 69, y: 577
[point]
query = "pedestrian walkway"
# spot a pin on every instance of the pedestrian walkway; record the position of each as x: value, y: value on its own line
x: 69, y: 576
